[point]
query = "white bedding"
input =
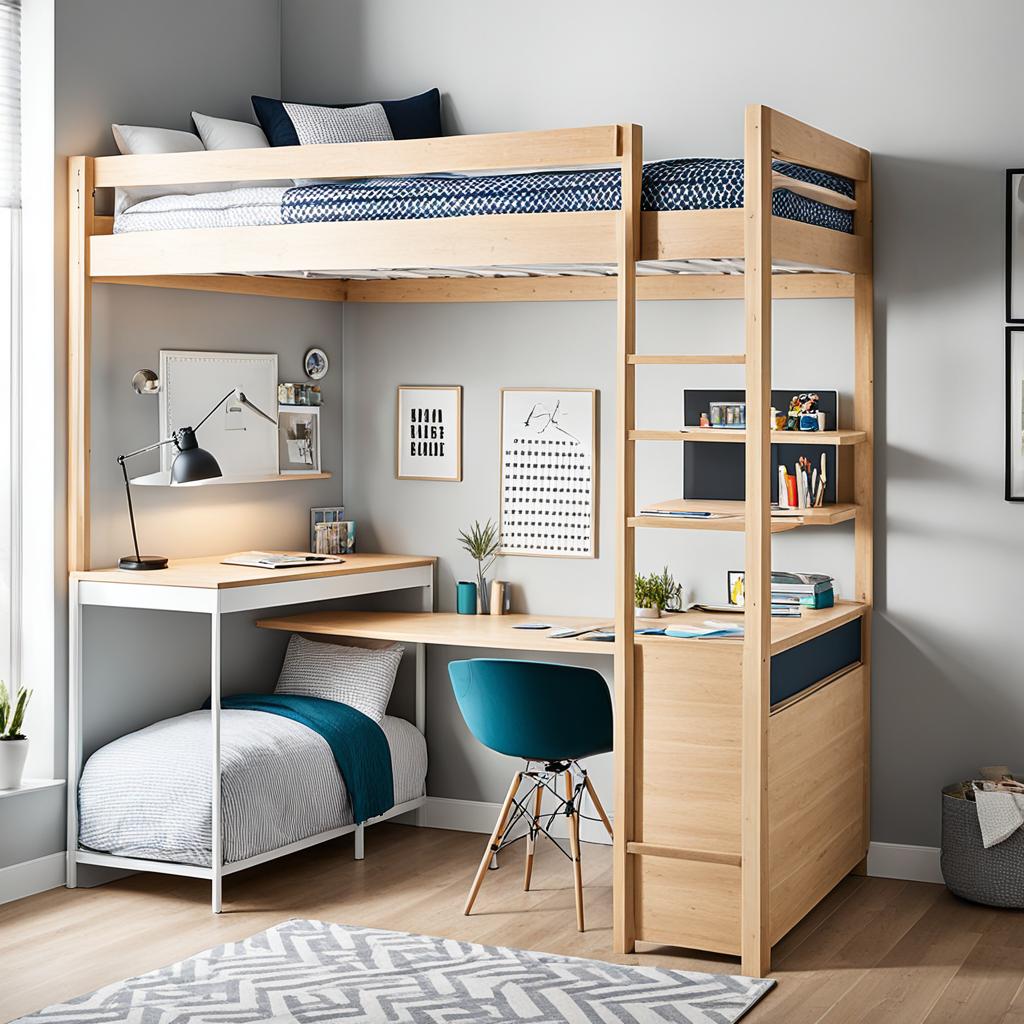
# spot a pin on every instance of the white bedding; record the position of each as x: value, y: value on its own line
x: 147, y: 794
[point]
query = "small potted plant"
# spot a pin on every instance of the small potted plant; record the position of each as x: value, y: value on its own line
x: 481, y: 542
x: 656, y: 593
x: 13, y: 743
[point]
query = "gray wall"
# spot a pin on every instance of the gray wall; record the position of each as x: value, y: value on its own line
x: 928, y: 88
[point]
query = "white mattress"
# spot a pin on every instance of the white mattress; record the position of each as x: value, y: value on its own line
x: 258, y: 207
x: 147, y: 794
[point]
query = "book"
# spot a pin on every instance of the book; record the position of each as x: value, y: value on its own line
x: 800, y: 582
x: 277, y: 560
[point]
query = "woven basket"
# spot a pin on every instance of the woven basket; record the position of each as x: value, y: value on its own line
x: 994, y: 876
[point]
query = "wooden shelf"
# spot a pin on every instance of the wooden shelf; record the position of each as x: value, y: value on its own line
x: 730, y: 516
x: 725, y: 435
x: 163, y: 479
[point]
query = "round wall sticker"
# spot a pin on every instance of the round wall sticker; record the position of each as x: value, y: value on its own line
x: 316, y: 364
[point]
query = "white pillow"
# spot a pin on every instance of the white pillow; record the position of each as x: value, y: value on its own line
x: 357, y: 676
x: 220, y: 133
x: 133, y: 139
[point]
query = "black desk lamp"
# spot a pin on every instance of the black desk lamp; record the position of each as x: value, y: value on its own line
x: 191, y: 465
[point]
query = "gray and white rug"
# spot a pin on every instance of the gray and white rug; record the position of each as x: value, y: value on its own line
x: 309, y: 972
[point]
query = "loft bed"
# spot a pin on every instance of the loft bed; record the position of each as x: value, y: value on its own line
x: 731, y: 859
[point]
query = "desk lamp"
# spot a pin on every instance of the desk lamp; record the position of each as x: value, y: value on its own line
x: 192, y: 465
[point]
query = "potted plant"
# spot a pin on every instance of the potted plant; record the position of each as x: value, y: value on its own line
x: 656, y: 593
x: 13, y: 743
x: 481, y: 542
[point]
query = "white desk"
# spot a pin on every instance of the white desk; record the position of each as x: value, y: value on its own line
x: 207, y: 587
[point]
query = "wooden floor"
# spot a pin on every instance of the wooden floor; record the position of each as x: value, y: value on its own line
x: 875, y: 950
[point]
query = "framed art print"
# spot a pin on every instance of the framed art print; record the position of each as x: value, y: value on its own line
x: 1015, y: 413
x: 429, y: 433
x: 298, y: 433
x: 1015, y: 246
x: 549, y: 472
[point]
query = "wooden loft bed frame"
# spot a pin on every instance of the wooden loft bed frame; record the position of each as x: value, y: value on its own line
x: 735, y: 874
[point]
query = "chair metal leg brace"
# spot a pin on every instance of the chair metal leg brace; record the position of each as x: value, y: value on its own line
x: 529, y: 809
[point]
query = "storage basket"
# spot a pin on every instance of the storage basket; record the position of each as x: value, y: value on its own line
x: 994, y: 876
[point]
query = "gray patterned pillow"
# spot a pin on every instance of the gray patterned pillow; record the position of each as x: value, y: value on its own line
x: 356, y: 676
x: 316, y: 126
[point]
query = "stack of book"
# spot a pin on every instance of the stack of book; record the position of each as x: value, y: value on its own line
x: 796, y: 590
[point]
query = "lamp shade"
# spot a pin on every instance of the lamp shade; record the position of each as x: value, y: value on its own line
x: 192, y: 463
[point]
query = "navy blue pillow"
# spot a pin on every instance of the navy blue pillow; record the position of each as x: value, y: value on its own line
x: 418, y: 117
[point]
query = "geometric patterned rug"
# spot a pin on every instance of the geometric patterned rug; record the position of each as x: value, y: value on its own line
x: 309, y: 972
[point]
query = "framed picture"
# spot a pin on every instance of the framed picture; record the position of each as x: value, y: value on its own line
x: 243, y: 443
x: 549, y: 472
x: 428, y: 436
x: 734, y: 582
x: 1015, y: 246
x: 298, y: 439
x: 323, y: 514
x: 1015, y: 413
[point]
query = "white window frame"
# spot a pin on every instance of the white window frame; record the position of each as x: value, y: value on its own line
x: 41, y: 646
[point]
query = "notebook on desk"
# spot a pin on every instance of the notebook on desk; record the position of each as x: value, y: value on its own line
x: 276, y: 560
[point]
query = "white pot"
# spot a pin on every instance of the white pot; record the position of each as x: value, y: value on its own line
x: 647, y: 613
x: 12, y: 762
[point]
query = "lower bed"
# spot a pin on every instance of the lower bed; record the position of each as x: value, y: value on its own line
x: 668, y: 185
x: 147, y: 794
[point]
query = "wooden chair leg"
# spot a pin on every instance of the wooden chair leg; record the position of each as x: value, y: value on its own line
x: 574, y: 847
x: 597, y: 806
x: 537, y: 799
x: 499, y: 830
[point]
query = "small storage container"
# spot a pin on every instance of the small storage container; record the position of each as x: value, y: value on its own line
x: 994, y: 876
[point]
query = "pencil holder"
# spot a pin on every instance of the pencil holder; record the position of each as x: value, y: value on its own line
x: 465, y: 597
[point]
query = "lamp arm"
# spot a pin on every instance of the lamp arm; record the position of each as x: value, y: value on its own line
x: 142, y: 451
x: 245, y: 401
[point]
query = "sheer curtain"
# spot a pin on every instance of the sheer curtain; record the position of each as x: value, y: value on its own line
x: 10, y: 321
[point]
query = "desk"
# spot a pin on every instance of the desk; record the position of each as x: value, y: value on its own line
x: 685, y: 777
x: 208, y: 587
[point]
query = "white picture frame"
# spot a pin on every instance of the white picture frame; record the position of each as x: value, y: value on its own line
x: 298, y: 439
x: 428, y: 432
x: 549, y: 472
x: 191, y: 383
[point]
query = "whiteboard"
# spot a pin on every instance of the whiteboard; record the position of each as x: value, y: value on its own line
x: 191, y: 383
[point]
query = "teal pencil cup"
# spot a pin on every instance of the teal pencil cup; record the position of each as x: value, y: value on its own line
x: 465, y: 597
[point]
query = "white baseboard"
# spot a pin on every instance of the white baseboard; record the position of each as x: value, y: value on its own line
x: 912, y: 863
x: 885, y: 860
x: 32, y: 876
x: 480, y: 816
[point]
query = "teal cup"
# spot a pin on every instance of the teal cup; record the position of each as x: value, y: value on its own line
x: 465, y: 597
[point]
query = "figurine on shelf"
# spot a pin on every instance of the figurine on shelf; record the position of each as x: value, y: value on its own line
x: 804, y: 409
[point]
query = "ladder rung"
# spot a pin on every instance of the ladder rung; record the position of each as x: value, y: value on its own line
x: 703, y: 360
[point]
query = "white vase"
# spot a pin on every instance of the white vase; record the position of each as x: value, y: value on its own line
x: 12, y: 762
x: 647, y: 613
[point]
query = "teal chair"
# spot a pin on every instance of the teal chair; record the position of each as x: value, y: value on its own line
x: 551, y: 716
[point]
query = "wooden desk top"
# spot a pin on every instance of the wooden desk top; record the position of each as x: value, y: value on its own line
x: 498, y: 632
x: 208, y: 573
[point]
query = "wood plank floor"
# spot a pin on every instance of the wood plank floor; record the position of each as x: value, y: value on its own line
x: 874, y: 950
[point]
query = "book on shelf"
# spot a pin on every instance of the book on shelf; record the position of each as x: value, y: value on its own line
x: 800, y: 582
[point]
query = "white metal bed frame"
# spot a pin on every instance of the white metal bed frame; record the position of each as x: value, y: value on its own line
x: 216, y: 603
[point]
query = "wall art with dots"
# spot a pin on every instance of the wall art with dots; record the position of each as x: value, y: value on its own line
x: 549, y: 472
x: 429, y: 435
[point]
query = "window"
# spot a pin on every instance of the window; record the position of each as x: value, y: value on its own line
x: 10, y: 322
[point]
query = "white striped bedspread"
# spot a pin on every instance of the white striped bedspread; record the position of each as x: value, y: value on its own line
x: 147, y: 794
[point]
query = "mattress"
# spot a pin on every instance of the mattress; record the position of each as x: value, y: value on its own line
x: 147, y: 794
x: 667, y: 185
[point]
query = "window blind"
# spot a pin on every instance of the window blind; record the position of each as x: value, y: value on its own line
x: 10, y: 103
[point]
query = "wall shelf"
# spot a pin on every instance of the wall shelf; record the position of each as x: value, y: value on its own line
x: 163, y: 479
x: 725, y: 435
x: 731, y: 516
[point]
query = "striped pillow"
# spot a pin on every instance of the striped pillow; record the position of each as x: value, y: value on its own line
x: 356, y: 676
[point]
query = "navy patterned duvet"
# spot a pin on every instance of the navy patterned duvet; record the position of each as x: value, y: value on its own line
x: 667, y: 185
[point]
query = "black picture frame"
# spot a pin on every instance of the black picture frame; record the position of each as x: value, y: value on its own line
x: 1011, y: 332
x: 1008, y: 255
